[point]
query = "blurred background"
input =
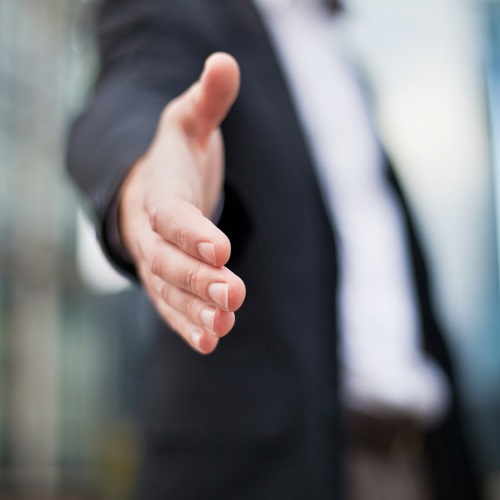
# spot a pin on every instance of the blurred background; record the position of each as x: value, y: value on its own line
x: 70, y: 355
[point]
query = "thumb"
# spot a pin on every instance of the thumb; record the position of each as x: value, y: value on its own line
x: 203, y: 107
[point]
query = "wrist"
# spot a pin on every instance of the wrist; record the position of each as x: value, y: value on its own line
x: 129, y: 204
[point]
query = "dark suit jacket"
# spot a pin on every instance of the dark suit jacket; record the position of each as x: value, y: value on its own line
x: 260, y: 418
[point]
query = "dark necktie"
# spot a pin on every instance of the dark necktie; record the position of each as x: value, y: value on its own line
x: 334, y: 5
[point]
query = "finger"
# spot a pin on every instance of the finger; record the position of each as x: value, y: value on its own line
x: 217, y: 285
x: 214, y: 319
x: 195, y: 336
x: 203, y: 107
x: 182, y: 224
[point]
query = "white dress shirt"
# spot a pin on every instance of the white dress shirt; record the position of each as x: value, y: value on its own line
x: 384, y: 367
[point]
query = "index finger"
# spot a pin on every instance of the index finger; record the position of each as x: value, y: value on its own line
x: 181, y: 223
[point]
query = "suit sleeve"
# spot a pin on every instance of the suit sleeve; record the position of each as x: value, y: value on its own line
x: 150, y: 51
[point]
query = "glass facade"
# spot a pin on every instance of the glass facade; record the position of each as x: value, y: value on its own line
x: 63, y: 422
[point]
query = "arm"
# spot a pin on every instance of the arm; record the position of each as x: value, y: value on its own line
x: 164, y: 206
x: 175, y: 181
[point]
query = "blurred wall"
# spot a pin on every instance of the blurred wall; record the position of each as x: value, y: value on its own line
x: 63, y: 420
x: 427, y: 63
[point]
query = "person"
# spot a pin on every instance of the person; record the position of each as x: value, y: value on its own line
x: 258, y: 188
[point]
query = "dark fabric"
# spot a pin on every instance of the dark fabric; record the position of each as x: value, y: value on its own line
x: 334, y: 5
x: 386, y: 458
x: 372, y: 475
x: 449, y: 454
x: 260, y: 418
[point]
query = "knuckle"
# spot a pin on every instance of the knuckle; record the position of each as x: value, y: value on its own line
x: 162, y: 290
x: 160, y: 216
x: 166, y: 293
x: 182, y: 234
x: 192, y: 308
x: 192, y: 278
x: 153, y: 217
x: 154, y: 260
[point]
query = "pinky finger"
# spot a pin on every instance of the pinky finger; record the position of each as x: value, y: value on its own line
x: 196, y: 337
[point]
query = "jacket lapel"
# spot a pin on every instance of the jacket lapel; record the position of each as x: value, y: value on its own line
x: 250, y: 42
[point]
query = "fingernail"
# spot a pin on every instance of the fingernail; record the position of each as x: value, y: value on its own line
x: 208, y: 317
x: 207, y: 252
x: 219, y: 292
x: 196, y: 338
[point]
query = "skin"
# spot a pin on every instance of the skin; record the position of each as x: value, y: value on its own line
x: 180, y: 255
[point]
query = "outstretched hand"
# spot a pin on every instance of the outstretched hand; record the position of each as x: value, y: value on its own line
x: 164, y: 208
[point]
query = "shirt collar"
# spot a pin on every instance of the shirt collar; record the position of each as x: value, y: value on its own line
x: 281, y: 5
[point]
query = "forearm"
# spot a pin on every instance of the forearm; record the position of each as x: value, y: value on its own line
x: 146, y: 60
